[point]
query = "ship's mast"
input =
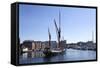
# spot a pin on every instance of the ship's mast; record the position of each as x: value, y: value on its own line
x: 49, y: 38
x: 58, y: 30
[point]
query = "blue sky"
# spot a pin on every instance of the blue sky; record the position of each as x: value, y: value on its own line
x: 77, y: 24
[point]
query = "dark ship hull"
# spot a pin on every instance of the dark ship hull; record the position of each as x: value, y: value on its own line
x: 53, y: 52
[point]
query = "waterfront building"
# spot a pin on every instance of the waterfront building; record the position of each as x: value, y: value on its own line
x: 27, y: 44
x: 40, y: 45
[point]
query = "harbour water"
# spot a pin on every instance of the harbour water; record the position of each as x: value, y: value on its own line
x: 69, y: 55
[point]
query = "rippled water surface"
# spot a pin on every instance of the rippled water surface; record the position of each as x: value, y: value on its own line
x: 69, y: 55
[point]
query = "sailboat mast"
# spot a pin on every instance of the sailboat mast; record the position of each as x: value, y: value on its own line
x: 49, y: 38
x: 59, y: 32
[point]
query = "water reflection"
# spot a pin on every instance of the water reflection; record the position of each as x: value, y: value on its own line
x: 69, y: 55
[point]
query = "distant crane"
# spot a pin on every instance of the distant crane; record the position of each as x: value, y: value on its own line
x: 92, y: 36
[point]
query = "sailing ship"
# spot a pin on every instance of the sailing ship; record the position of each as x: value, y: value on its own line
x: 48, y: 51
